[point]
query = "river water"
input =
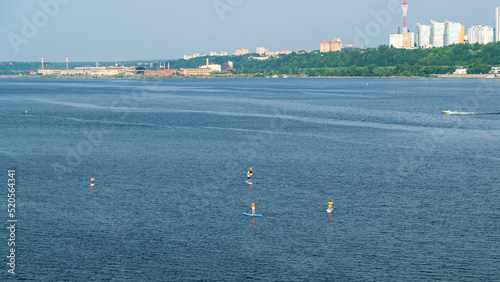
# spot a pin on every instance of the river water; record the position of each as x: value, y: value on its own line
x: 415, y: 192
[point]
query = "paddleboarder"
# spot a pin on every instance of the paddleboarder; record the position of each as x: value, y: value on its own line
x: 249, y: 178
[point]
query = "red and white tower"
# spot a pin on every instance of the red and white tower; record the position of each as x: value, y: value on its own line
x: 67, y: 63
x: 42, y: 64
x: 404, y: 5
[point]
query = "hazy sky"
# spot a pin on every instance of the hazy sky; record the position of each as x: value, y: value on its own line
x: 117, y: 30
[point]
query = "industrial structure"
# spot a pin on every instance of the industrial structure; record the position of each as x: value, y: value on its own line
x: 161, y: 71
x: 195, y: 72
x: 213, y: 67
x: 100, y: 71
x: 405, y: 40
x: 204, y: 70
x: 404, y: 5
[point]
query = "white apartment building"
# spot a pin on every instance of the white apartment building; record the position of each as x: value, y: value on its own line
x: 481, y: 34
x: 497, y: 15
x: 452, y: 33
x: 402, y: 41
x: 437, y: 34
x: 423, y: 35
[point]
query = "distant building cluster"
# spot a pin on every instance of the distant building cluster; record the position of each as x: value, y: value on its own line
x: 262, y: 51
x: 334, y: 46
x: 212, y: 53
x: 240, y: 52
x: 204, y: 70
x: 440, y: 34
x: 266, y: 54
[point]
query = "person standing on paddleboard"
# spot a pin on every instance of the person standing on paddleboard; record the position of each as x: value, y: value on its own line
x: 253, y: 208
x: 249, y: 175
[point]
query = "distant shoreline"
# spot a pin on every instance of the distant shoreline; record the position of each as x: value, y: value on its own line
x: 138, y: 77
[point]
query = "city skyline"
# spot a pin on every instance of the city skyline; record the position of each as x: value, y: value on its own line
x: 130, y: 30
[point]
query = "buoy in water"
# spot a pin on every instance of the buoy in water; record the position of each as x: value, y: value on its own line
x: 367, y: 84
x: 26, y: 112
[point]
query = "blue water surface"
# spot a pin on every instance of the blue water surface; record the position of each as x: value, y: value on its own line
x: 415, y: 192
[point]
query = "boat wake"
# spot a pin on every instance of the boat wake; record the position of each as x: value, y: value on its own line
x: 467, y: 113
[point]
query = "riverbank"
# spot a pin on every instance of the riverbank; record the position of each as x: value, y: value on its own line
x: 481, y: 76
x: 473, y: 76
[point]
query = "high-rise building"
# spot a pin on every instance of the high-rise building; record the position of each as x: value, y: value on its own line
x: 453, y: 33
x: 240, y: 52
x: 325, y: 46
x: 481, y: 34
x: 437, y: 34
x: 261, y: 50
x: 402, y: 41
x: 462, y: 36
x: 497, y: 15
x: 337, y: 45
x: 334, y: 46
x: 408, y: 40
x: 396, y: 41
x: 423, y: 35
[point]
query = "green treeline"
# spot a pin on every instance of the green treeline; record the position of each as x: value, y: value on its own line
x: 381, y: 61
x: 384, y: 61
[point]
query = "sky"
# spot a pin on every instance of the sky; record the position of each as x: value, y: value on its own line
x: 121, y: 30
